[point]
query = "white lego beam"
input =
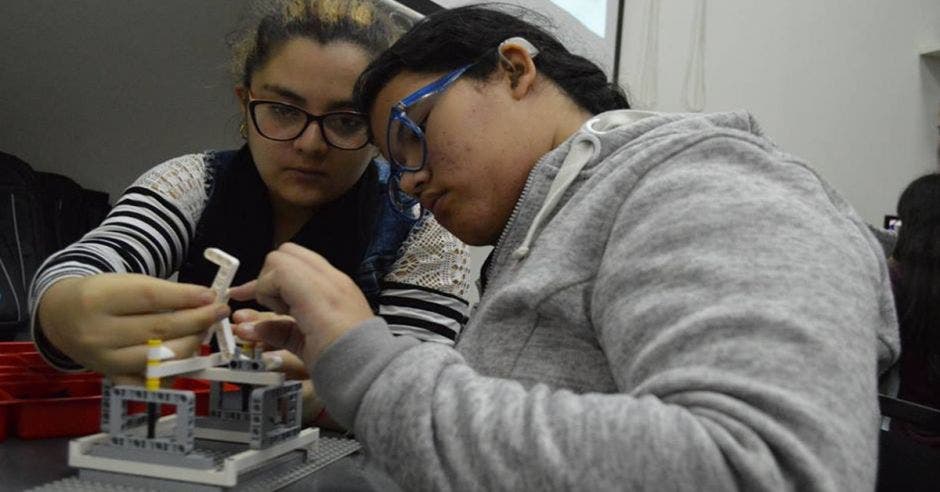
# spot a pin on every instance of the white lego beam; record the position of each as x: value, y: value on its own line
x: 262, y: 378
x: 222, y: 435
x: 228, y: 264
x: 184, y: 366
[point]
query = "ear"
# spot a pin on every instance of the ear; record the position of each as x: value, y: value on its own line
x: 519, y: 69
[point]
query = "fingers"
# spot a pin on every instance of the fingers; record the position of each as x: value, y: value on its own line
x: 243, y: 292
x: 185, y: 347
x: 275, y: 322
x: 134, y: 294
x: 244, y: 315
x: 268, y: 290
x: 137, y: 329
x: 133, y: 360
x: 289, y: 260
x: 289, y: 267
x: 309, y: 257
x: 251, y: 315
x: 291, y: 365
x: 279, y: 335
x: 127, y: 379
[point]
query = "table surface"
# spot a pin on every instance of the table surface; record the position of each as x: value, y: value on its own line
x: 30, y: 463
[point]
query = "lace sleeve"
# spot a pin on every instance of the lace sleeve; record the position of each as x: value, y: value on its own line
x: 182, y: 181
x: 424, y: 295
x: 433, y: 258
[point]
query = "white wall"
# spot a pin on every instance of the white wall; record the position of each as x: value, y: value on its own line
x: 578, y: 38
x: 837, y: 82
x: 102, y: 90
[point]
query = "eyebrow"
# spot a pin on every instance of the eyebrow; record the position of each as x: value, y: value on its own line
x: 298, y: 100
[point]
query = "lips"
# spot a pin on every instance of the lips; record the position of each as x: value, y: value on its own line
x: 308, y: 173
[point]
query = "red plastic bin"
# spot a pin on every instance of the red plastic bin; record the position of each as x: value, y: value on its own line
x: 38, y: 401
x: 17, y: 347
x: 54, y: 409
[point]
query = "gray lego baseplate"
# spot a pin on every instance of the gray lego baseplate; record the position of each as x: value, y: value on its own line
x: 271, y: 477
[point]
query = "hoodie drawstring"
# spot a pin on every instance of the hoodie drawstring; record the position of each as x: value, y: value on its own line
x: 584, y: 148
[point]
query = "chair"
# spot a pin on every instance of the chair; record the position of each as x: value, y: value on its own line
x: 903, y: 463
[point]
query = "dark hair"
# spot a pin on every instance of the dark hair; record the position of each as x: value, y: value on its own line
x: 918, y: 253
x: 452, y: 38
x: 272, y: 23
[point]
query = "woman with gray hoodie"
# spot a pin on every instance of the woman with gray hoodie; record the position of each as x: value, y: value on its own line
x: 657, y: 314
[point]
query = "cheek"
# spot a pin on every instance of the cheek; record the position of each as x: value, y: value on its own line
x: 458, y: 151
x: 350, y: 165
x: 264, y: 155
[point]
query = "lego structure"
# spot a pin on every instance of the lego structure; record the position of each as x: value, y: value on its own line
x: 251, y: 439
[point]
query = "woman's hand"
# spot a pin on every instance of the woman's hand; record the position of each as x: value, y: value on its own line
x: 248, y: 319
x: 298, y: 282
x: 103, y: 321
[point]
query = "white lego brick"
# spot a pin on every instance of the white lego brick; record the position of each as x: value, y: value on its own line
x: 253, y: 457
x: 265, y: 378
x: 161, y: 352
x: 226, y: 338
x: 228, y: 264
x: 222, y: 435
x: 272, y: 362
x: 184, y: 366
x: 226, y: 476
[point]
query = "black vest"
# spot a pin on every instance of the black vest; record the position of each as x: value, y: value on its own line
x: 237, y: 220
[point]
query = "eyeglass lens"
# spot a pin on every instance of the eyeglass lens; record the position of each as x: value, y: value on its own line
x: 282, y: 122
x: 406, y: 146
x: 405, y: 204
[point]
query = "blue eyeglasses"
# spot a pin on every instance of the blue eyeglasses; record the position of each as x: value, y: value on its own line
x: 405, y: 139
x: 407, y: 147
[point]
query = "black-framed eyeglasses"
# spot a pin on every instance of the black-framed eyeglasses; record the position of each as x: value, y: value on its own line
x: 346, y: 130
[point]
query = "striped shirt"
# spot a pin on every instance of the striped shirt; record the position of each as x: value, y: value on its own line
x: 152, y: 225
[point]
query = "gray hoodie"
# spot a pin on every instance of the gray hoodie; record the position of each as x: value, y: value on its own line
x: 675, y: 304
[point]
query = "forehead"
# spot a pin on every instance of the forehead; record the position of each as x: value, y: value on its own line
x: 321, y: 74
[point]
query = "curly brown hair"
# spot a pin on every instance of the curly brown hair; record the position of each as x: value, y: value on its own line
x: 270, y: 24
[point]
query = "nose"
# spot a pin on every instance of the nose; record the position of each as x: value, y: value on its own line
x: 311, y: 141
x: 413, y: 183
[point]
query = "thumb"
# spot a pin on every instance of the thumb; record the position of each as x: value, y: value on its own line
x: 277, y: 335
x: 243, y: 292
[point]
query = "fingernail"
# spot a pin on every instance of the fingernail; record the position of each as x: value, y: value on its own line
x: 207, y: 296
x: 273, y: 362
x: 221, y: 312
x: 247, y: 328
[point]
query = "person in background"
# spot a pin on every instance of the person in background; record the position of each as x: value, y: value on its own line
x: 306, y: 174
x: 662, y: 309
x: 915, y: 275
